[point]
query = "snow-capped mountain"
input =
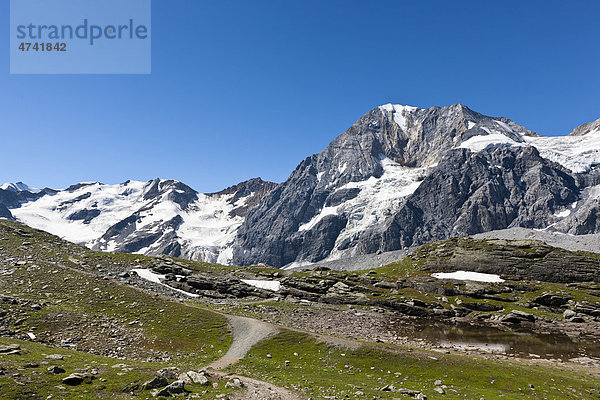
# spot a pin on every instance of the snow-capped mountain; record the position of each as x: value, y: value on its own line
x: 402, y: 176
x: 19, y: 187
x: 398, y: 177
x: 155, y: 217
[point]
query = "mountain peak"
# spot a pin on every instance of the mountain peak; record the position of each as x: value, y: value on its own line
x: 19, y: 187
x: 591, y: 128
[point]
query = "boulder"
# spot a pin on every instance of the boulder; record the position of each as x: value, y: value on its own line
x: 198, y: 378
x: 155, y: 383
x: 552, y: 300
x: 516, y: 317
x: 77, y: 379
x: 176, y: 387
x: 168, y: 373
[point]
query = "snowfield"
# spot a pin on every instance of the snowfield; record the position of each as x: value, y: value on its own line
x: 577, y: 153
x: 206, y: 232
x: 468, y: 276
x: 267, y: 285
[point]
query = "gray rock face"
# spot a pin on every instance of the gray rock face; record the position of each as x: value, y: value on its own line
x: 471, y: 193
x: 320, y: 210
x: 5, y: 212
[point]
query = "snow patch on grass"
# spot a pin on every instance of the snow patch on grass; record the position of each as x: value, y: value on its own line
x: 468, y: 276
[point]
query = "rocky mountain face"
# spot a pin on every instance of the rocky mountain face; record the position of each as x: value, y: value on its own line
x: 397, y: 178
x: 403, y: 176
x: 155, y: 217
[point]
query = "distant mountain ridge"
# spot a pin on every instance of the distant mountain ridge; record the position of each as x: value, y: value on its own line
x: 154, y: 217
x: 399, y: 177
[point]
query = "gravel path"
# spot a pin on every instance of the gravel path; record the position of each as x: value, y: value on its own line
x: 246, y: 333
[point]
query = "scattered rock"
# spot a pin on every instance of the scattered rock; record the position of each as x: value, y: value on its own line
x: 516, y: 317
x: 568, y: 314
x: 10, y: 349
x: 552, y: 300
x: 234, y: 383
x: 56, y: 370
x: 185, y: 377
x: 198, y: 378
x: 55, y: 357
x: 409, y: 392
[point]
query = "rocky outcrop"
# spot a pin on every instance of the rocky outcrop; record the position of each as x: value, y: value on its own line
x: 5, y: 212
x: 519, y: 259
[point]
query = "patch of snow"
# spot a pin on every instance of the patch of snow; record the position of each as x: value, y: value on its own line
x: 577, y: 153
x: 399, y: 113
x: 267, y: 285
x: 469, y: 276
x: 482, y: 142
x: 563, y: 214
x: 51, y: 213
x: 505, y: 126
x: 325, y: 211
x: 151, y: 276
x: 471, y: 124
x: 378, y: 198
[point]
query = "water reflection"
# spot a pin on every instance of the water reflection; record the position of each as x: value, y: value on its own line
x: 522, y: 343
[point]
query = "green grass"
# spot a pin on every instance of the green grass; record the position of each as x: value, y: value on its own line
x: 157, y: 324
x: 21, y: 381
x: 320, y: 370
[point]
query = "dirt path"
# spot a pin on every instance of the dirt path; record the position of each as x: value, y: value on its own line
x: 257, y: 390
x: 246, y: 333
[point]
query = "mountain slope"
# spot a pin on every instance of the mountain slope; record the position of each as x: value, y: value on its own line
x: 155, y: 217
x: 402, y: 176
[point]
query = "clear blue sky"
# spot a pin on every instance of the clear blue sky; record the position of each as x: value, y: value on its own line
x: 250, y: 88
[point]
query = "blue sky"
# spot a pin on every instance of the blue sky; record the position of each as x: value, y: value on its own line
x: 250, y: 88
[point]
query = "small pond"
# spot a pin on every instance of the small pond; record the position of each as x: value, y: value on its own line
x: 522, y: 343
